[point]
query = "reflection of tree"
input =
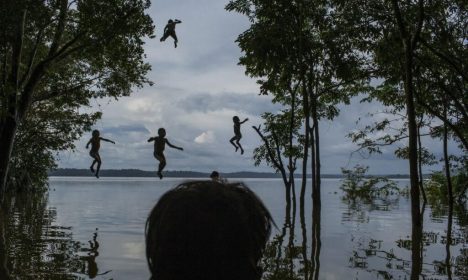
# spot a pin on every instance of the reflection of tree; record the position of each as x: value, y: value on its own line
x: 359, y: 207
x: 4, y: 274
x: 35, y: 248
x: 290, y: 261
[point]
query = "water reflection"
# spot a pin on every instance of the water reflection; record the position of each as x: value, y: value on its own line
x: 405, y: 257
x: 291, y: 261
x: 35, y: 247
x: 344, y: 238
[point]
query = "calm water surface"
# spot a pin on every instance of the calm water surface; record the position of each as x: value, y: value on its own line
x: 94, y: 229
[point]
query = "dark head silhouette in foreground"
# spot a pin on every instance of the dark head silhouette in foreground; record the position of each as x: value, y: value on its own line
x: 169, y: 30
x: 237, y: 134
x: 159, y: 146
x: 206, y: 230
x: 95, y: 142
x: 214, y: 176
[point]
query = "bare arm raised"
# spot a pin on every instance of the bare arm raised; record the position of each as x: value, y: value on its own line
x: 107, y: 140
x: 244, y: 121
x: 172, y: 146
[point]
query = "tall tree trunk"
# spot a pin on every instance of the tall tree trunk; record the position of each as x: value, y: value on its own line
x: 305, y: 258
x: 9, y: 123
x: 409, y: 41
x: 4, y: 273
x: 318, y: 180
x: 7, y: 136
x: 420, y: 163
x: 413, y: 160
x: 448, y: 176
x: 316, y: 197
x: 316, y: 238
x: 448, y: 264
x: 306, y: 142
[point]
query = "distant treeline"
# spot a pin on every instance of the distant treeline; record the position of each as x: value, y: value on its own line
x: 186, y: 174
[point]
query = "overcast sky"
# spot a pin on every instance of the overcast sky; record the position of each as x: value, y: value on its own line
x: 198, y: 89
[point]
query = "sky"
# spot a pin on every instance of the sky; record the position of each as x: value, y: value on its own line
x: 198, y: 88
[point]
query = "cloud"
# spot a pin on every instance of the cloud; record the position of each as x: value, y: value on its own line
x: 205, y: 138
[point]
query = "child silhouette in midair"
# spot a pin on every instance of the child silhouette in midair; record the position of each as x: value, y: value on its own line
x: 95, y: 142
x: 237, y: 134
x: 159, y: 145
x: 169, y: 30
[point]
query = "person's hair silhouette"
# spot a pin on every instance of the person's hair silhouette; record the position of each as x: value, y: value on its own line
x: 159, y: 145
x: 95, y: 142
x: 237, y: 134
x: 206, y: 230
x: 169, y: 30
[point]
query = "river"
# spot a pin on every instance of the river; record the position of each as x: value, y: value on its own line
x: 85, y: 228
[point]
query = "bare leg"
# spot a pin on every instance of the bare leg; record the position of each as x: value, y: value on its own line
x: 232, y: 142
x: 238, y: 144
x: 164, y: 37
x: 98, y: 159
x: 92, y: 166
x: 162, y: 164
x: 173, y: 35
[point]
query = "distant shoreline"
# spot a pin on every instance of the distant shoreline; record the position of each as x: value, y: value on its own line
x: 72, y: 172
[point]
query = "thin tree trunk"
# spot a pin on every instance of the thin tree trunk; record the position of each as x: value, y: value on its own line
x: 306, y: 142
x: 4, y: 273
x: 292, y: 163
x: 291, y: 242
x: 316, y: 237
x: 448, y: 264
x: 304, y: 240
x: 447, y: 167
x: 8, y: 131
x: 420, y: 162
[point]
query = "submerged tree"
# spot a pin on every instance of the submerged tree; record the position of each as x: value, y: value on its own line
x: 74, y: 50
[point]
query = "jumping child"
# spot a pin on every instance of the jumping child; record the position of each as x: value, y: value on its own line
x: 95, y: 142
x: 159, y: 145
x: 237, y: 133
x: 169, y: 30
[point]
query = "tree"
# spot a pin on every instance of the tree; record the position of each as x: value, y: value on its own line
x: 50, y: 126
x: 76, y: 49
x: 303, y: 61
x: 403, y: 45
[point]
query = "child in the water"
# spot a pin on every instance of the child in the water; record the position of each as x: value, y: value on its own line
x: 95, y: 142
x: 159, y: 146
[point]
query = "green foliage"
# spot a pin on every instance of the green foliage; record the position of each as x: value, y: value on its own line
x: 276, y: 130
x: 69, y: 53
x: 437, y: 191
x: 439, y: 66
x: 51, y: 126
x: 302, y: 59
x: 356, y: 184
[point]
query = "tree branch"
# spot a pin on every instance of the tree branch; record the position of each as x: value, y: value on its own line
x: 277, y: 165
x: 419, y: 26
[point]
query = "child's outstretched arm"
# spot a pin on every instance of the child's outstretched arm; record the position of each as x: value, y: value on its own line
x: 87, y: 144
x: 177, y: 21
x: 107, y: 140
x: 151, y: 139
x: 172, y: 146
x: 246, y: 119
